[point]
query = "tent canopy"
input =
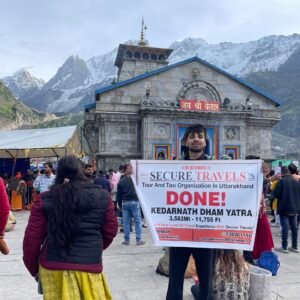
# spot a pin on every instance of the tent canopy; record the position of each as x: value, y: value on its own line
x: 46, y: 142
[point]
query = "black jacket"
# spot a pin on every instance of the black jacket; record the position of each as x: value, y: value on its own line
x: 287, y: 192
x: 126, y: 190
x: 96, y: 230
x: 103, y: 182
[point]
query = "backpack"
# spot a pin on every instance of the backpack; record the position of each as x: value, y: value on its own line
x: 269, y: 260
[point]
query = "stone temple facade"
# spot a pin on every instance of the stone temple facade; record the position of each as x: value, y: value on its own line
x: 140, y: 116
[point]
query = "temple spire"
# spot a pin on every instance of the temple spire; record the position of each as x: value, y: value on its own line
x: 142, y: 41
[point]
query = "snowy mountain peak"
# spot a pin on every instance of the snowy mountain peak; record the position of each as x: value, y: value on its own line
x: 21, y: 72
x: 188, y: 43
x: 22, y: 83
x: 265, y: 54
x: 24, y: 78
x: 102, y: 66
x: 72, y: 74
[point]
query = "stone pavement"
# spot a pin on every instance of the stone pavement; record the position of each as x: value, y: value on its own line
x: 130, y: 270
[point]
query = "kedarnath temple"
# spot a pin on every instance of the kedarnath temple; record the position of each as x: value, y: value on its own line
x: 144, y: 114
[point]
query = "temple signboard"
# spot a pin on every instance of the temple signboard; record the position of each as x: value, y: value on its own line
x: 199, y: 105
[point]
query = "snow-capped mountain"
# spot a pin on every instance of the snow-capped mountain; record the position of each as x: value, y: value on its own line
x: 72, y: 74
x: 265, y: 54
x: 74, y: 83
x: 102, y: 66
x: 23, y: 84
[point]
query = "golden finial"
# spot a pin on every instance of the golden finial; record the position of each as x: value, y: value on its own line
x: 142, y: 31
x: 142, y: 42
x: 145, y: 28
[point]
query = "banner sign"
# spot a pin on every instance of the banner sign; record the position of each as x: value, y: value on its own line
x: 202, y: 204
x: 199, y: 105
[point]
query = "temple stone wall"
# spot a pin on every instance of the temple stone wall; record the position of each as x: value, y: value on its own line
x: 131, y: 69
x: 167, y: 85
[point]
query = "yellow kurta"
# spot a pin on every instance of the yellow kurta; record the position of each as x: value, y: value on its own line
x: 272, y: 188
x: 16, y: 201
x: 73, y: 285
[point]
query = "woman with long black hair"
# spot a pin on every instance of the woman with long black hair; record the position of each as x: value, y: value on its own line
x: 68, y: 229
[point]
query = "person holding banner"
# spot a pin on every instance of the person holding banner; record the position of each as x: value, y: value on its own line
x: 195, y: 140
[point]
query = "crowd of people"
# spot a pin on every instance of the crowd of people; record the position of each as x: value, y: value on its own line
x: 74, y: 217
x: 22, y: 188
x: 126, y: 204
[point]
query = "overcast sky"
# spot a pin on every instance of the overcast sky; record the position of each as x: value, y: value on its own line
x: 41, y: 34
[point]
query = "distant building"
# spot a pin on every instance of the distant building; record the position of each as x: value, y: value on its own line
x: 144, y: 114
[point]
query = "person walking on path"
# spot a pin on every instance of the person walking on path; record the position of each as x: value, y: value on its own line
x: 4, y: 211
x: 287, y: 192
x: 128, y: 200
x: 194, y: 139
x: 68, y: 229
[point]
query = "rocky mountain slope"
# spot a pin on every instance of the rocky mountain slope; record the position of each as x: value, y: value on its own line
x: 15, y: 114
x: 284, y: 84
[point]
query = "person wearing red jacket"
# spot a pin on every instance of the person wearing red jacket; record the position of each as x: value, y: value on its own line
x: 68, y: 229
x: 4, y: 211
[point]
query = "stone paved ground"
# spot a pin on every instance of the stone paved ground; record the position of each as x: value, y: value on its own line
x: 130, y: 271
